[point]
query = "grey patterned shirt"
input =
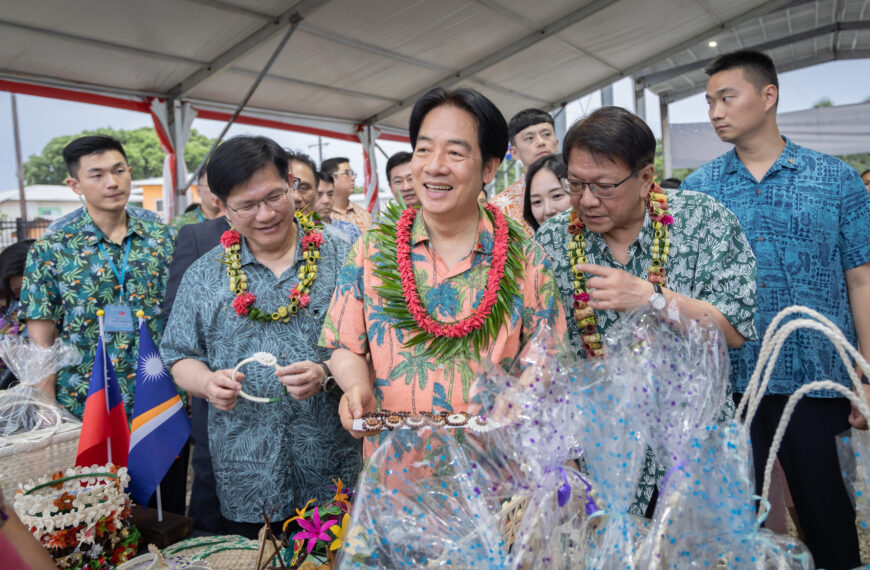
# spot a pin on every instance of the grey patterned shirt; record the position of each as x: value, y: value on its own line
x: 277, y: 454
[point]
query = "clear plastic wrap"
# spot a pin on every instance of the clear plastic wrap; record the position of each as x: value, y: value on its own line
x: 25, y: 409
x: 709, y: 517
x: 853, y: 448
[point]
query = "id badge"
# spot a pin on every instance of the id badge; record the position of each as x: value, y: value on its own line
x: 118, y: 318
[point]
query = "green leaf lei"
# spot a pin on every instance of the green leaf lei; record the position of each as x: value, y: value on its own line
x: 386, y: 268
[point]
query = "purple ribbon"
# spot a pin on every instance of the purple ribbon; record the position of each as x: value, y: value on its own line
x: 564, y: 492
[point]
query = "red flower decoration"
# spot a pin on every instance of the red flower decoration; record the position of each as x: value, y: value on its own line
x: 230, y: 237
x: 312, y: 238
x: 409, y: 285
x: 243, y: 303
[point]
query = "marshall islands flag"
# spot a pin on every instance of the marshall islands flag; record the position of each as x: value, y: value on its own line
x: 160, y: 423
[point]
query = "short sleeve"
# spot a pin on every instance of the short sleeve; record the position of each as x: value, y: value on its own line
x: 854, y: 220
x: 183, y: 336
x: 344, y: 325
x: 542, y: 301
x: 40, y: 294
x: 727, y: 272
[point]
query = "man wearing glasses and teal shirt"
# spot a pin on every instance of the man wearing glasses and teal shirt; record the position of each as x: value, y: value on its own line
x: 627, y: 242
x: 343, y: 179
x: 287, y: 449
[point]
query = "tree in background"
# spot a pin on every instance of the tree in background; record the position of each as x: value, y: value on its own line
x: 144, y: 154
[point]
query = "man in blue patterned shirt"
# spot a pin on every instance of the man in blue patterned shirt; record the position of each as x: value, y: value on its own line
x: 806, y: 215
x: 280, y: 453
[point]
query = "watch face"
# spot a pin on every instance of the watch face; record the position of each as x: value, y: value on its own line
x: 658, y: 301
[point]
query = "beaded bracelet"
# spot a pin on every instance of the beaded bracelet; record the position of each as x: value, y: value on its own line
x: 387, y: 420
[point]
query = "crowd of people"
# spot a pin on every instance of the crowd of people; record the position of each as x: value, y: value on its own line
x: 400, y: 312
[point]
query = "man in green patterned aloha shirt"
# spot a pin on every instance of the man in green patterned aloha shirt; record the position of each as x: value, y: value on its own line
x: 709, y: 268
x: 107, y: 258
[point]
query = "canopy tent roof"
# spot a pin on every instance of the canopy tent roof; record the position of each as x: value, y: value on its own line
x: 797, y: 35
x: 350, y: 62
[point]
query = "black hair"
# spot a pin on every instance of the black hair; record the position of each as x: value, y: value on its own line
x: 865, y: 172
x: 528, y: 118
x: 612, y: 133
x: 330, y: 166
x: 191, y: 207
x: 328, y: 178
x: 551, y: 162
x: 485, y: 193
x: 307, y: 161
x: 91, y: 144
x: 236, y: 160
x: 671, y: 183
x: 757, y: 67
x: 492, y: 130
x: 397, y: 159
x: 12, y: 261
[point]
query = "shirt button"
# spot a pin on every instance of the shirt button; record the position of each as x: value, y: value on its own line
x: 764, y: 285
x: 440, y: 367
x: 761, y: 238
x: 758, y: 191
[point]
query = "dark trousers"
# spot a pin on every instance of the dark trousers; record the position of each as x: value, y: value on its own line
x: 808, y: 455
x: 173, y: 486
x: 204, y: 507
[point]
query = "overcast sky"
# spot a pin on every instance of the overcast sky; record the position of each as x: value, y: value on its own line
x: 40, y: 119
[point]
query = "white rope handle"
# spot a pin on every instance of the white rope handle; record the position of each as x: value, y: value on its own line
x: 857, y: 401
x: 767, y: 346
x: 772, y: 345
x: 55, y: 425
x: 264, y: 358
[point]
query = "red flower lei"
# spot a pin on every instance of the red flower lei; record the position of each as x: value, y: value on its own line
x: 409, y: 285
x: 583, y: 313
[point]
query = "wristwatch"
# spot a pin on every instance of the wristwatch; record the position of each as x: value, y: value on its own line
x: 657, y: 299
x: 328, y: 379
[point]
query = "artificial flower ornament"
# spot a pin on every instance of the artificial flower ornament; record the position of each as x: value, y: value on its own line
x: 300, y: 297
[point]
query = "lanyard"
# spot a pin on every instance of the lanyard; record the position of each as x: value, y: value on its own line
x: 199, y: 215
x: 123, y: 273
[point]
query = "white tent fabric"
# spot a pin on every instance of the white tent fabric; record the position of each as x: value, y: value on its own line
x: 833, y: 130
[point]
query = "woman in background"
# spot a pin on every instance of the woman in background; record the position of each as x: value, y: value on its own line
x: 545, y: 194
x: 11, y: 275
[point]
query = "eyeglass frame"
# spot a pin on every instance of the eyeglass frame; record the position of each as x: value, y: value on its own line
x: 347, y: 172
x: 584, y: 185
x: 256, y: 203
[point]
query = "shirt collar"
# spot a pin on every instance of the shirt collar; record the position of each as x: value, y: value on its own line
x: 787, y: 159
x: 94, y: 234
x: 246, y: 257
x: 482, y: 244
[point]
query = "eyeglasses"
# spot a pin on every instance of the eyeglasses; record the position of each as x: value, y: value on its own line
x: 599, y: 190
x: 273, y: 201
x: 347, y: 172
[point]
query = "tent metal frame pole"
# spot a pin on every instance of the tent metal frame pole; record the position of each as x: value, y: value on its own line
x: 639, y: 98
x: 241, y: 105
x: 19, y: 167
x: 666, y: 136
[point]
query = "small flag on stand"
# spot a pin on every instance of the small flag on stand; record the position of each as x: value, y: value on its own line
x: 160, y: 423
x: 105, y: 436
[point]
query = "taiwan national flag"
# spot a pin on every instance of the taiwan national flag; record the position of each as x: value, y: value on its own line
x: 104, y: 423
x: 160, y: 423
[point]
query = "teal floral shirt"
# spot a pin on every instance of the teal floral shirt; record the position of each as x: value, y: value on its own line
x: 67, y: 279
x: 710, y: 259
x: 282, y: 453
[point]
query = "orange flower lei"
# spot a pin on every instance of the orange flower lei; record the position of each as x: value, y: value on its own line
x: 583, y: 313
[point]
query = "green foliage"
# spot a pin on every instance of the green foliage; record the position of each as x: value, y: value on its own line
x: 825, y: 102
x: 659, y: 163
x: 859, y: 162
x: 141, y: 145
x: 507, y: 166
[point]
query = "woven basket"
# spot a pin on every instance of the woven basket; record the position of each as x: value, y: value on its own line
x: 511, y: 515
x: 219, y: 552
x: 31, y: 455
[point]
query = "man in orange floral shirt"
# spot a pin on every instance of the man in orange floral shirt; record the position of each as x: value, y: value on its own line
x: 532, y: 135
x: 421, y: 291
